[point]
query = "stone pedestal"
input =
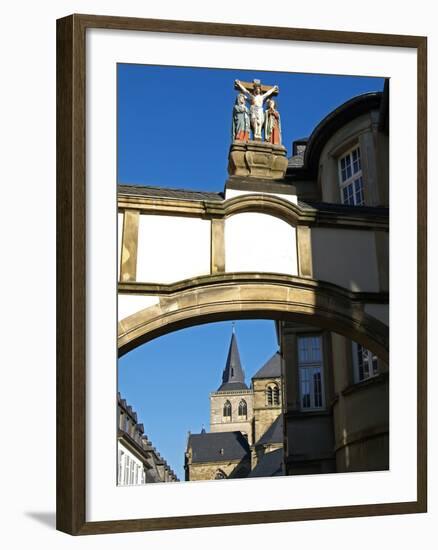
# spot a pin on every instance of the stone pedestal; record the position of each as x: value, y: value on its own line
x: 257, y: 159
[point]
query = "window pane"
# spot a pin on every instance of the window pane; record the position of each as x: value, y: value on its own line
x: 358, y: 191
x: 317, y: 388
x: 356, y: 161
x: 375, y: 365
x: 309, y: 349
x: 305, y: 388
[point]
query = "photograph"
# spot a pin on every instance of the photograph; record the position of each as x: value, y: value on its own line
x: 253, y: 274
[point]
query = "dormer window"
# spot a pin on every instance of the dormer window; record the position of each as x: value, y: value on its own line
x: 350, y: 178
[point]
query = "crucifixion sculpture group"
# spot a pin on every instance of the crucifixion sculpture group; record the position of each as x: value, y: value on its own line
x: 256, y: 119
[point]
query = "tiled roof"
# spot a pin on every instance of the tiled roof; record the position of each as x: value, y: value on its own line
x: 274, y: 434
x: 345, y: 209
x: 139, y: 439
x: 233, y: 377
x: 218, y: 446
x: 269, y: 465
x: 163, y: 192
x: 271, y: 369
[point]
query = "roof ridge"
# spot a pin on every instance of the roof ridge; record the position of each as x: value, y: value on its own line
x: 182, y: 189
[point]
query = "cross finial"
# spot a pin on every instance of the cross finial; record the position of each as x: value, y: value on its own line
x: 234, y: 327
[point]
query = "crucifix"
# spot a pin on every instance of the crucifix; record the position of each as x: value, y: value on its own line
x: 257, y: 93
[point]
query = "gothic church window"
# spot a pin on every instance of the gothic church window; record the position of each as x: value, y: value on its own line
x: 243, y: 409
x: 227, y: 410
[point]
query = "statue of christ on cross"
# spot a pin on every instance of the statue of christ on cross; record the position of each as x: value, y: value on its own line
x: 257, y: 99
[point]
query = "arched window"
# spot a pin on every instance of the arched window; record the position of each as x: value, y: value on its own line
x: 276, y: 395
x: 220, y: 475
x: 243, y: 408
x: 269, y: 396
x: 227, y: 410
x: 272, y: 395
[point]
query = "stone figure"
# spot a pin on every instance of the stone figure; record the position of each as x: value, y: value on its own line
x: 241, y: 126
x: 272, y: 123
x: 256, y: 111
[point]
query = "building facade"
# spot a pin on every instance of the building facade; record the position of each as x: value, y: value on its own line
x: 337, y: 399
x: 138, y: 462
x: 245, y: 425
x: 303, y: 240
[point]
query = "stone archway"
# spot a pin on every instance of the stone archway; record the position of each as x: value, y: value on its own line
x: 245, y: 296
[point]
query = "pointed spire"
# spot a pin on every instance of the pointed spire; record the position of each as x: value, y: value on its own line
x: 233, y: 377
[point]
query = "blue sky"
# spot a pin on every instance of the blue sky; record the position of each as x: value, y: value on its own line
x: 174, y: 123
x: 168, y: 380
x: 174, y: 130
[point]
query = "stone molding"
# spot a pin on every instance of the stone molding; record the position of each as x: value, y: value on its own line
x: 264, y: 204
x: 147, y: 289
x: 294, y: 298
x: 257, y: 159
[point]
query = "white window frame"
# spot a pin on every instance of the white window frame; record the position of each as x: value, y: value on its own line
x: 369, y: 361
x: 352, y: 183
x: 307, y: 368
x: 126, y: 470
x: 121, y: 466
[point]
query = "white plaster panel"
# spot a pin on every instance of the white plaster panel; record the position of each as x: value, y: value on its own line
x: 260, y: 242
x: 172, y: 248
x: 120, y: 217
x: 128, y: 304
x: 231, y: 193
x: 379, y: 311
x: 346, y: 258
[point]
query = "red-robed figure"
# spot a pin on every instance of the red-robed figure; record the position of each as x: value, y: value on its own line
x: 272, y: 123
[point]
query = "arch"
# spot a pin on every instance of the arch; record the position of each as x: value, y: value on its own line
x: 252, y: 296
x: 265, y: 204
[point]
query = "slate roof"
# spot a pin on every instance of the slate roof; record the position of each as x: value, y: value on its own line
x: 141, y: 441
x: 296, y: 161
x: 274, y: 434
x: 218, y: 446
x: 162, y: 192
x: 269, y: 465
x: 344, y: 209
x: 233, y: 377
x: 271, y: 369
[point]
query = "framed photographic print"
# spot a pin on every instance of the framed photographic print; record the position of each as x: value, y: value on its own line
x: 241, y: 232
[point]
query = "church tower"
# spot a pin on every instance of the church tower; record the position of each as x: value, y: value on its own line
x: 231, y: 406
